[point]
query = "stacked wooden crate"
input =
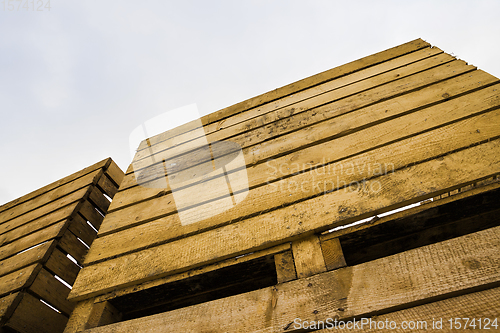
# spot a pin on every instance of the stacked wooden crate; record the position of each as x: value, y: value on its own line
x: 326, y: 158
x: 39, y: 233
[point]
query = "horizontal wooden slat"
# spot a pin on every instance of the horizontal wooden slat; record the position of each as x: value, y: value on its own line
x: 260, y: 174
x: 380, y: 84
x: 99, y: 200
x: 48, y: 288
x: 50, y: 196
x: 27, y: 197
x: 107, y: 186
x: 297, y: 103
x: 60, y: 215
x: 298, y: 86
x: 60, y: 265
x: 89, y: 212
x: 41, y: 236
x: 38, y: 254
x: 19, y: 279
x: 115, y: 173
x: 481, y: 305
x: 70, y: 244
x: 81, y: 229
x: 399, y: 154
x: 398, y: 189
x: 387, y: 284
x: 33, y: 316
x: 7, y: 306
x: 44, y: 210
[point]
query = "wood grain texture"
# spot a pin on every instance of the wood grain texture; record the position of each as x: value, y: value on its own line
x: 7, y: 306
x: 60, y: 265
x: 398, y: 189
x: 19, y: 279
x: 311, y: 156
x: 103, y: 313
x: 398, y: 154
x: 31, y: 315
x: 51, y: 290
x: 285, y: 267
x: 38, y: 254
x: 387, y: 284
x: 332, y: 253
x: 102, y: 164
x: 79, y: 317
x: 298, y: 86
x: 481, y: 304
x: 308, y: 257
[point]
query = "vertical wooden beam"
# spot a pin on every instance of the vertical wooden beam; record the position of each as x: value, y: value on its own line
x: 332, y: 252
x: 308, y: 256
x: 81, y: 313
x: 285, y: 267
x: 103, y: 313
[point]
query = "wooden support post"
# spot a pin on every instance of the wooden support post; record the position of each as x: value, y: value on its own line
x: 308, y: 256
x: 88, y: 314
x: 285, y: 267
x: 332, y: 252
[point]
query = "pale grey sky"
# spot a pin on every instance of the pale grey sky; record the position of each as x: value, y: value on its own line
x: 76, y: 80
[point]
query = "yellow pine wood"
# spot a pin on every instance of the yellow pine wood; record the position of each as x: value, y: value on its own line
x: 50, y: 196
x: 38, y: 254
x: 276, y: 194
x: 247, y: 139
x: 332, y: 253
x: 419, y: 276
x: 308, y: 256
x: 7, y: 306
x: 398, y: 189
x: 51, y: 290
x: 285, y: 267
x: 295, y: 87
x: 102, y: 164
x: 292, y: 104
x: 19, y: 279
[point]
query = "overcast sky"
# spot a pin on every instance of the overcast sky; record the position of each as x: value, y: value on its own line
x: 76, y: 80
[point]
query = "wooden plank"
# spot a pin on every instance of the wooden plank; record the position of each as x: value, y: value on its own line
x: 298, y: 86
x: 31, y: 240
x: 79, y: 317
x: 44, y: 210
x: 398, y: 189
x: 332, y: 253
x: 197, y: 271
x: 338, y: 126
x: 38, y: 254
x: 308, y: 256
x: 7, y: 306
x: 19, y: 279
x: 398, y: 154
x: 33, y: 316
x: 387, y: 284
x: 481, y: 304
x: 60, y: 265
x: 285, y: 267
x: 89, y: 212
x: 70, y: 244
x: 50, y: 196
x: 99, y: 200
x: 103, y: 313
x: 115, y: 173
x: 80, y: 228
x: 102, y: 164
x: 356, y: 92
x: 279, y: 109
x: 107, y: 186
x: 51, y: 290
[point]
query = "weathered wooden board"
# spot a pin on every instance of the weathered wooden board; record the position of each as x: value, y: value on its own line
x: 308, y: 256
x: 338, y: 126
x: 399, y: 154
x: 332, y: 253
x: 44, y: 210
x: 7, y: 306
x: 79, y: 317
x: 285, y: 267
x: 115, y: 173
x: 295, y: 87
x: 398, y: 189
x: 70, y: 244
x: 478, y: 305
x: 50, y: 196
x: 31, y: 256
x: 33, y: 239
x: 89, y: 212
x: 352, y: 91
x: 29, y: 196
x: 31, y: 315
x: 246, y: 121
x: 19, y: 279
x: 387, y: 284
x: 80, y: 228
x: 60, y: 265
x: 48, y: 288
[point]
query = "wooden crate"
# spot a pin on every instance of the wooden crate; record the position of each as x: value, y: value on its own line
x: 326, y: 158
x: 39, y: 232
